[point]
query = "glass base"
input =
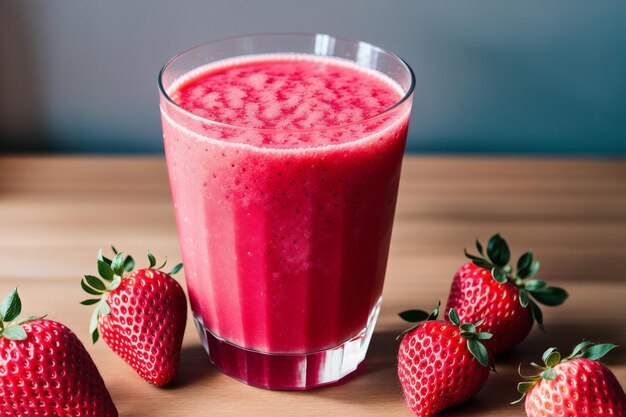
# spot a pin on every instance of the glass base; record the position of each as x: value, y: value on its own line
x: 288, y: 371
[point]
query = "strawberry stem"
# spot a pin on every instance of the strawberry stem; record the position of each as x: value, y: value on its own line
x: 10, y: 323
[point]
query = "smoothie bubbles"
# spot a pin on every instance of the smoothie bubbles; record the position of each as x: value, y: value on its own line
x: 284, y: 156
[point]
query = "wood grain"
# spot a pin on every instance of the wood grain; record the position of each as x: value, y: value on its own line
x: 55, y: 212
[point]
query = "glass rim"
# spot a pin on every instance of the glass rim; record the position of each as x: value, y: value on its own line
x: 187, y: 113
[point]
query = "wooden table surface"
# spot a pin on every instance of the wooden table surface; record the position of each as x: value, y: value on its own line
x: 55, y: 212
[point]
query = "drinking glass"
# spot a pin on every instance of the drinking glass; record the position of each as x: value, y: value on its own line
x: 285, y: 248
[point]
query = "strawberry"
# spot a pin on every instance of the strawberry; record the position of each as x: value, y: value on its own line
x: 575, y: 386
x: 140, y: 314
x: 441, y: 364
x: 45, y: 370
x: 491, y: 289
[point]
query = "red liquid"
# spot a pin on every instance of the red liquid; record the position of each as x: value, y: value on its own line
x: 285, y: 234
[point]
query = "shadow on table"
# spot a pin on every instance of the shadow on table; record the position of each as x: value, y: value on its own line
x: 195, y: 366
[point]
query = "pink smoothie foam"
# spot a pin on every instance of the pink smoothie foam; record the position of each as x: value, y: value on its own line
x: 287, y: 94
x: 285, y: 205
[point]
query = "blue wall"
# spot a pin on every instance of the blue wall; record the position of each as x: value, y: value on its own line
x: 493, y: 76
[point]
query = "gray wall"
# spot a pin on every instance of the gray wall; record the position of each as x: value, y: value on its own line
x: 493, y: 76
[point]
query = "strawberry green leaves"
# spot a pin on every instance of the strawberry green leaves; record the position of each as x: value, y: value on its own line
x: 578, y: 349
x: 105, y: 270
x: 499, y: 275
x: 552, y: 357
x: 536, y: 314
x: 93, y: 325
x: 477, y: 260
x: 454, y: 318
x: 10, y: 310
x: 498, y: 251
x: 532, y: 291
x: 129, y: 262
x: 550, y: 296
x: 111, y: 272
x: 523, y: 298
x: 524, y: 388
x: 417, y: 316
x: 414, y: 316
x: 14, y: 333
x: 596, y: 352
x: 474, y: 344
x: 117, y: 265
x: 525, y: 261
x: 534, y: 285
x: 499, y: 255
x: 87, y: 288
x: 95, y: 315
x: 152, y: 260
x: 102, y: 308
x: 479, y: 247
x: 176, y: 269
x: 526, y: 266
x: 11, y: 306
x: 96, y: 283
x: 477, y: 349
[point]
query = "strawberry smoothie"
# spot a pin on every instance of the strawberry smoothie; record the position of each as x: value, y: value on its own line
x: 284, y: 172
